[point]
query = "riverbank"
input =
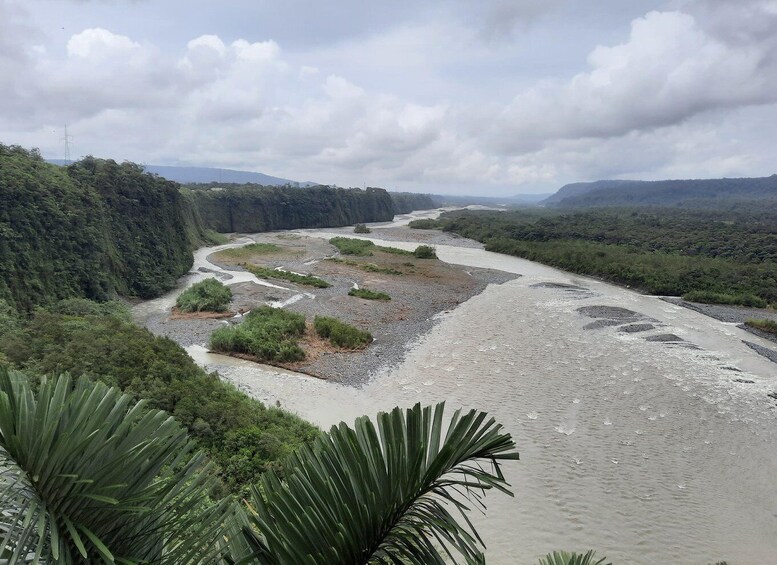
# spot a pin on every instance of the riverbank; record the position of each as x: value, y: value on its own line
x: 420, y: 289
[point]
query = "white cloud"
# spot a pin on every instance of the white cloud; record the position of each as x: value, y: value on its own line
x: 668, y: 71
x: 100, y: 44
x: 670, y: 99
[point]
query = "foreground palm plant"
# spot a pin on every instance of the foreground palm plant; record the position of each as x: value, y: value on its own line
x: 385, y: 495
x: 567, y: 558
x: 88, y: 476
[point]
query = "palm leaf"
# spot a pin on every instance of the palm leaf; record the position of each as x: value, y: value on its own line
x: 391, y: 494
x: 566, y: 558
x: 88, y: 476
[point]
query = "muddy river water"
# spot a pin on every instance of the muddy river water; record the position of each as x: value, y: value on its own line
x: 648, y: 450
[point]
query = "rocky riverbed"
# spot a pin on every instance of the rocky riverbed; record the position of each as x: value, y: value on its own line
x: 420, y: 290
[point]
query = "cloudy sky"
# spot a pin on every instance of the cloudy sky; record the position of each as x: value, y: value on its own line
x: 456, y: 96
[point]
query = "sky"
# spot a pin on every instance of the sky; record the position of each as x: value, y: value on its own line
x: 488, y: 97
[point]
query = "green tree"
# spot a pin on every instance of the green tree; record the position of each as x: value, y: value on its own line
x: 88, y: 476
x: 209, y: 295
x: 382, y: 495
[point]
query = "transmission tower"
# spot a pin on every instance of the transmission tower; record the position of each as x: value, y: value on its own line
x: 67, y: 139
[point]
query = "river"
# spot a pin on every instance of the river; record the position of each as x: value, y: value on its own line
x: 648, y: 452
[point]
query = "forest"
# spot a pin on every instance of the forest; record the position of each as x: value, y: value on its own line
x: 715, y: 256
x: 98, y: 341
x: 255, y: 208
x: 94, y: 229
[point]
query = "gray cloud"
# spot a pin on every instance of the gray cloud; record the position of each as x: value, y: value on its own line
x: 669, y: 70
x: 500, y: 19
x: 420, y: 104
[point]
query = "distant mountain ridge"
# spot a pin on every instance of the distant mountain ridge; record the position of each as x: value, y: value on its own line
x: 186, y: 175
x: 686, y: 193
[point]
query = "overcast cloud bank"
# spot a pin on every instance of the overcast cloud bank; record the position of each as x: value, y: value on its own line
x: 443, y: 99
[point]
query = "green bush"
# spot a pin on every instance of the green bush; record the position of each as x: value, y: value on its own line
x: 341, y: 334
x: 265, y: 273
x: 209, y: 295
x: 351, y: 246
x: 393, y: 250
x: 361, y: 228
x: 368, y: 294
x: 425, y: 252
x: 269, y: 334
x: 426, y: 224
x: 763, y: 324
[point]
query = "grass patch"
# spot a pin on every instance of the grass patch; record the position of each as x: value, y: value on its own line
x: 724, y: 298
x: 363, y: 247
x: 368, y: 294
x: 269, y: 334
x: 361, y: 228
x: 373, y: 268
x: 215, y: 238
x: 249, y: 251
x: 369, y: 267
x: 352, y: 246
x: 340, y: 334
x: 426, y: 224
x: 425, y: 252
x: 209, y: 295
x: 763, y: 324
x: 265, y: 273
x: 393, y: 250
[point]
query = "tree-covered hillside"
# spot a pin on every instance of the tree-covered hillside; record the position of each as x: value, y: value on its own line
x: 96, y: 228
x: 406, y: 202
x: 256, y: 208
x: 93, y: 229
x: 741, y: 193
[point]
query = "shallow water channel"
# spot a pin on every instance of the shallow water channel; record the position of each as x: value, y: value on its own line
x: 648, y: 451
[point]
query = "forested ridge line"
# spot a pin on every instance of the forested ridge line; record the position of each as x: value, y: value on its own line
x: 720, y: 194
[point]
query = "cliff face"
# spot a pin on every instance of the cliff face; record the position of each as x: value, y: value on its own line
x: 406, y: 202
x: 94, y: 229
x: 254, y: 208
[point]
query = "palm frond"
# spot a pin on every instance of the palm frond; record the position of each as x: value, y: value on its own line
x: 86, y: 475
x: 391, y: 494
x: 567, y: 558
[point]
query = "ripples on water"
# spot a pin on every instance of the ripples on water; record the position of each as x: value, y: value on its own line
x: 645, y: 451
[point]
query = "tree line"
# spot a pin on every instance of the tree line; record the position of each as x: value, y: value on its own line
x: 256, y: 208
x: 719, y: 256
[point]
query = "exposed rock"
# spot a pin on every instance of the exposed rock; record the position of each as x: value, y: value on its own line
x: 665, y: 338
x: 770, y: 354
x: 634, y: 328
